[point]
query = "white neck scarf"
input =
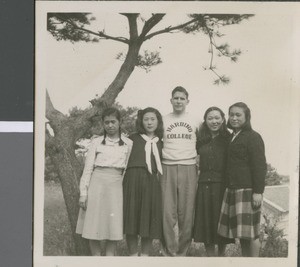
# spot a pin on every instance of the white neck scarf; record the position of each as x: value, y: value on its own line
x: 152, y: 142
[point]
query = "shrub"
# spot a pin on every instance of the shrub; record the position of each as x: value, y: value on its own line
x: 274, y: 243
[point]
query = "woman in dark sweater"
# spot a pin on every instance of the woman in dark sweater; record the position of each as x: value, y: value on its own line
x: 245, y: 182
x: 141, y: 187
x: 211, y: 146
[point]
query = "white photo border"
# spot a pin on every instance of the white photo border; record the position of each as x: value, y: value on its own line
x: 268, y: 9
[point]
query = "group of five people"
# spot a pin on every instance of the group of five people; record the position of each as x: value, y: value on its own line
x: 174, y: 181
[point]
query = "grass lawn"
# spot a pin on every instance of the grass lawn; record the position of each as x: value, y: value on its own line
x: 58, y: 239
x: 57, y: 233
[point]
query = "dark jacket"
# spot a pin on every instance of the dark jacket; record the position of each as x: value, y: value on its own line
x: 212, y: 160
x: 246, y: 162
x: 137, y: 156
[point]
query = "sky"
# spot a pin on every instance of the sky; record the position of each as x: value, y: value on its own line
x: 263, y: 77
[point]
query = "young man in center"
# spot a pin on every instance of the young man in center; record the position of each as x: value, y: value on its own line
x: 179, y: 181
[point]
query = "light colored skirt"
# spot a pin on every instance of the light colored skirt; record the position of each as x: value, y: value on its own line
x: 103, y: 218
x: 238, y: 219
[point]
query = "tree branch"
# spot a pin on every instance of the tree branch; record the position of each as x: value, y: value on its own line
x: 211, y: 50
x: 133, y: 29
x: 213, y: 42
x: 150, y: 23
x: 100, y: 34
x: 169, y: 29
x: 51, y: 112
x: 118, y: 39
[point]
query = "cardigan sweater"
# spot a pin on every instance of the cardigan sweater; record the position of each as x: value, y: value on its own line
x: 246, y: 162
x: 213, y: 160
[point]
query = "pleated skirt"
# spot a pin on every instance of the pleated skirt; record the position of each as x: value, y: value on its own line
x: 238, y: 219
x: 103, y: 218
x: 142, y: 204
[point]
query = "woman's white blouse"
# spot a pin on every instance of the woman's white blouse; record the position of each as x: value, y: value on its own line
x: 110, y: 155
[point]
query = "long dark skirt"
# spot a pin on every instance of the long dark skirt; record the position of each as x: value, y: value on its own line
x: 207, y: 213
x: 142, y: 204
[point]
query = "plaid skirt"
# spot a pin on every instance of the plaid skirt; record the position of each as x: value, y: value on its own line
x: 238, y: 219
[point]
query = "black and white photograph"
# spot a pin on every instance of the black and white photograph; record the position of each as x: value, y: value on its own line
x: 166, y: 130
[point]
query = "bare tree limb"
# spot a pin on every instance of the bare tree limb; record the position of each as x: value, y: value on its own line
x: 51, y: 112
x: 170, y: 29
x: 133, y: 29
x: 118, y: 39
x: 100, y: 34
x: 150, y: 23
x: 211, y: 49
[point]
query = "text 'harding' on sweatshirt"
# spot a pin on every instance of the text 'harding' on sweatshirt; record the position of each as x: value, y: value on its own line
x: 179, y: 139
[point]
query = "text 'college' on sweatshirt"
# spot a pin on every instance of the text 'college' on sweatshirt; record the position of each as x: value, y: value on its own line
x: 179, y: 139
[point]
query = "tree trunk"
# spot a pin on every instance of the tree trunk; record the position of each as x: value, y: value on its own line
x: 123, y: 75
x: 69, y: 171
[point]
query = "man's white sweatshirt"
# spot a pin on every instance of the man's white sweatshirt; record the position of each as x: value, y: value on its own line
x: 179, y: 139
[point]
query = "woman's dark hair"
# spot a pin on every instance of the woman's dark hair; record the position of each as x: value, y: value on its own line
x: 204, y: 134
x: 116, y: 113
x: 247, y: 124
x: 139, y: 121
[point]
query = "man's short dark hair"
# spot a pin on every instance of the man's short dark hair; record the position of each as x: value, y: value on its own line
x: 180, y: 89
